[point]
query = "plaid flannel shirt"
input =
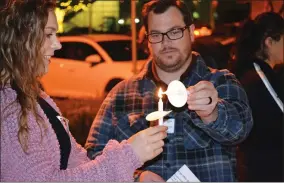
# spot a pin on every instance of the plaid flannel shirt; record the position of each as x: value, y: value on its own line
x: 207, y: 149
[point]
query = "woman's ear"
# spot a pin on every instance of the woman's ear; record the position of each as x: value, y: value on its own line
x: 268, y: 42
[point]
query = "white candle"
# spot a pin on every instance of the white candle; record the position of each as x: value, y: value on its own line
x: 160, y: 106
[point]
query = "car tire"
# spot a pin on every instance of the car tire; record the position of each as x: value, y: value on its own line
x: 111, y: 84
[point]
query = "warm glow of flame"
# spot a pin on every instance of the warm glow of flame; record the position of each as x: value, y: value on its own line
x: 203, y: 31
x: 196, y: 33
x: 160, y: 93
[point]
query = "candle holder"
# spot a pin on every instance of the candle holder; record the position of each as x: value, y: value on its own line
x: 157, y: 115
x: 177, y: 95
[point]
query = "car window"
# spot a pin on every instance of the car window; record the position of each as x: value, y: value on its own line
x: 121, y: 50
x: 75, y: 51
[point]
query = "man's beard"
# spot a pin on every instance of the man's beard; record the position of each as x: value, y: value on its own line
x: 173, y: 66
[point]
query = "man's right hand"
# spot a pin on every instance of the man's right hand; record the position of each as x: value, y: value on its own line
x: 148, y: 143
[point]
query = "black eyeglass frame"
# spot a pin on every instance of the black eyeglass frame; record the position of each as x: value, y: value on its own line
x: 182, y: 29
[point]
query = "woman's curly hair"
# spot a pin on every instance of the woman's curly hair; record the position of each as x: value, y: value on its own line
x: 22, y: 25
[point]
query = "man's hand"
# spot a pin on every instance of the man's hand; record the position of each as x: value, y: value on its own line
x: 203, y: 98
x: 148, y: 176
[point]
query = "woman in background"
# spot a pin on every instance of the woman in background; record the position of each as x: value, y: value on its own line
x: 35, y: 141
x: 260, y: 47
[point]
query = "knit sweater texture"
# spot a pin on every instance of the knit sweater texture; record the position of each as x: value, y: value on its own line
x: 42, y: 160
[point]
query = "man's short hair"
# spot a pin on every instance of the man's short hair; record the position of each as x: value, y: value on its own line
x: 160, y: 6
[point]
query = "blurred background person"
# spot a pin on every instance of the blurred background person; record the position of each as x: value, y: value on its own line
x: 260, y: 44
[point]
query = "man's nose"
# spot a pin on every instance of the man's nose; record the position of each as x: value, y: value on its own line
x: 166, y: 39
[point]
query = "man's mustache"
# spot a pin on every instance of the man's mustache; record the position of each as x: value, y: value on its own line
x: 167, y: 49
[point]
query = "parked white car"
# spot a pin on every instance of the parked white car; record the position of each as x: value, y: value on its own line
x: 88, y: 66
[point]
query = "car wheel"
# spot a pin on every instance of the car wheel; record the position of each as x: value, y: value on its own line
x: 111, y: 84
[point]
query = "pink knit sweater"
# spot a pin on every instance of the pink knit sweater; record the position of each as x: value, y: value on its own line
x: 42, y: 163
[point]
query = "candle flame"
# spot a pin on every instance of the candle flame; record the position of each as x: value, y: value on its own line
x: 160, y: 93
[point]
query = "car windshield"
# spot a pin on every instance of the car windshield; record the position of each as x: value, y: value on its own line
x: 120, y: 50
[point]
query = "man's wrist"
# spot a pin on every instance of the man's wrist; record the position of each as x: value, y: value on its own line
x: 212, y: 117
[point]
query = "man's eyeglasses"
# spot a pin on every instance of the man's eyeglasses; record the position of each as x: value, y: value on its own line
x: 173, y: 34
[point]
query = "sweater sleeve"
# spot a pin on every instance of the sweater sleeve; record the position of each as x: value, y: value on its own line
x: 78, y: 157
x: 119, y: 158
x: 117, y: 163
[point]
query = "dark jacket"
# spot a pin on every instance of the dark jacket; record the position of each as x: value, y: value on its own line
x: 263, y: 149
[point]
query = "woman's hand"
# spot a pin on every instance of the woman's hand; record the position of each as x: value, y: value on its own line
x: 148, y: 143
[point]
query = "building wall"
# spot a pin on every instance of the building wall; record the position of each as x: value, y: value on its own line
x: 101, y: 13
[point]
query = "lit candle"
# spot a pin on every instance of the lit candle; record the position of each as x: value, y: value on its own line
x: 160, y: 106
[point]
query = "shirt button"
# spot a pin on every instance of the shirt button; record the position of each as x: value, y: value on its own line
x: 168, y: 165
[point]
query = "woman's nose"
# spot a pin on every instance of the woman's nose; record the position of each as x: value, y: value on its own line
x: 56, y: 44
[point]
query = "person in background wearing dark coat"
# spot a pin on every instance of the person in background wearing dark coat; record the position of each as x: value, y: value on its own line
x: 259, y: 50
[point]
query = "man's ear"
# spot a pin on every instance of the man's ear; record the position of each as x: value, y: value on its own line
x: 149, y: 47
x: 191, y: 32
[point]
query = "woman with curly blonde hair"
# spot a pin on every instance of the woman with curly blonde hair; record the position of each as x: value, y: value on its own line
x: 35, y: 142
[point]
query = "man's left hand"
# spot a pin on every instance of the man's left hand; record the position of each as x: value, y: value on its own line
x: 203, y: 98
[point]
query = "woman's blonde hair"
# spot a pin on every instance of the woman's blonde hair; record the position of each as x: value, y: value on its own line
x: 22, y: 24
